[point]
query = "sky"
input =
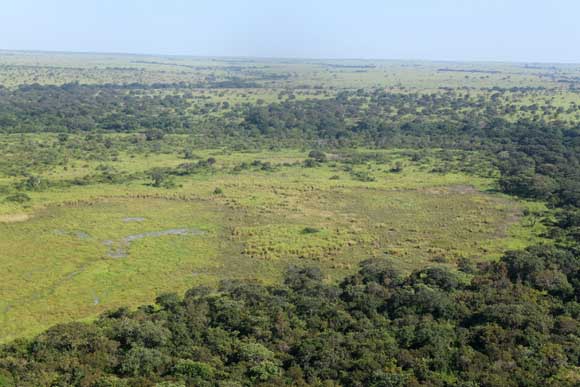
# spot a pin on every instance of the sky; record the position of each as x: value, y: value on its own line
x: 478, y: 30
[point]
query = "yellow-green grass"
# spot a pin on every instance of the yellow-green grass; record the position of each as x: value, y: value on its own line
x: 59, y: 68
x: 56, y: 267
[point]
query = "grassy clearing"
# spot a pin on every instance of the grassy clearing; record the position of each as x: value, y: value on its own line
x: 57, y: 265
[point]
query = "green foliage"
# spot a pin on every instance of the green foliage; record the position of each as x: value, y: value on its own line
x: 161, y: 177
x: 362, y: 176
x: 377, y: 327
x: 317, y: 155
x: 194, y: 370
x: 78, y: 138
x: 19, y: 197
x: 310, y: 230
x: 79, y: 265
x: 310, y: 163
x: 397, y: 168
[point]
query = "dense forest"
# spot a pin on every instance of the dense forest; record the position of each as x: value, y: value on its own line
x: 513, y: 323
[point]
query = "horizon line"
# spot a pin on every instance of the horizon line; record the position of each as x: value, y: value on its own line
x: 297, y: 58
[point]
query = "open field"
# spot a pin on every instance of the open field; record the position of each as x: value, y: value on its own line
x: 19, y: 67
x: 75, y: 252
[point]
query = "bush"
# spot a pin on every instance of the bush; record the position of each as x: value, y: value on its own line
x: 363, y: 176
x: 397, y: 168
x: 317, y: 155
x: 310, y: 230
x: 310, y: 163
x: 19, y: 197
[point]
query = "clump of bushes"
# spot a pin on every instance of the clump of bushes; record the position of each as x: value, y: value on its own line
x: 310, y: 163
x: 19, y: 197
x: 317, y: 155
x: 362, y: 176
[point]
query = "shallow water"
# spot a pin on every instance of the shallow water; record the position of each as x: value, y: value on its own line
x: 120, y: 249
x: 136, y: 219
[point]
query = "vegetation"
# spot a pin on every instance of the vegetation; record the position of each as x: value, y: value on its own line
x: 257, y: 217
x: 347, y: 223
x: 514, y: 323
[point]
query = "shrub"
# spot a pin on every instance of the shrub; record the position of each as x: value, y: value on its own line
x: 317, y: 155
x: 19, y: 197
x: 310, y: 163
x: 397, y: 168
x: 310, y: 230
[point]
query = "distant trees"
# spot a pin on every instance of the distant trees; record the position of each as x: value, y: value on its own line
x: 75, y: 107
x: 538, y: 158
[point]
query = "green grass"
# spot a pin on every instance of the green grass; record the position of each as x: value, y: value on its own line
x: 56, y: 267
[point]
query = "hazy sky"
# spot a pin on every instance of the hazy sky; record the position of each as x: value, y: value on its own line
x: 504, y: 30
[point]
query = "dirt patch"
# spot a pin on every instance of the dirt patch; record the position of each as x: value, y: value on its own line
x: 136, y: 219
x: 462, y: 189
x: 14, y: 218
x: 452, y: 189
x: 514, y: 217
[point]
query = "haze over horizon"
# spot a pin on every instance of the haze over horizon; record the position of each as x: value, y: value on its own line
x: 477, y: 30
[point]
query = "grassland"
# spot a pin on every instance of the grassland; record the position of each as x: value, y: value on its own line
x: 57, y: 253
x: 21, y: 67
x: 69, y: 252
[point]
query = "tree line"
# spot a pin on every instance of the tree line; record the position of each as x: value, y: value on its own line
x: 509, y: 323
